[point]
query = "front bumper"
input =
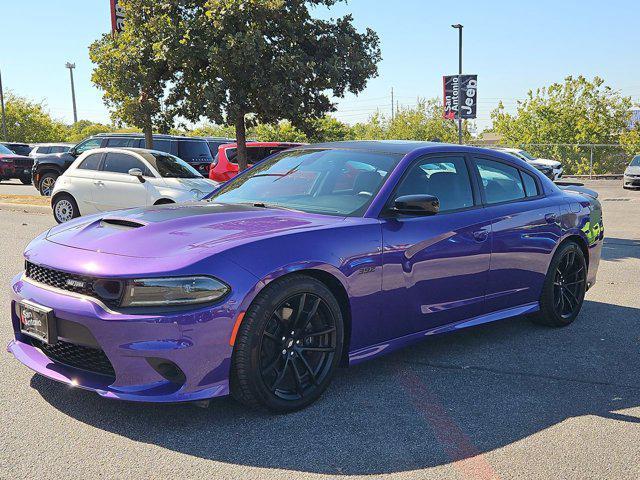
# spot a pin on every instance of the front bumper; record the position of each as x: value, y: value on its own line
x: 7, y: 170
x: 631, y: 181
x: 197, y: 342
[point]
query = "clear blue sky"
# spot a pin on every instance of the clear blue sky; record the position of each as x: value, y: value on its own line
x: 513, y: 46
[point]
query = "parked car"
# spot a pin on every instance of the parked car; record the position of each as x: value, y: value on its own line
x: 193, y: 150
x: 215, y: 142
x: 556, y: 166
x: 14, y: 166
x: 21, y: 149
x: 225, y: 165
x: 49, y: 148
x: 632, y: 174
x: 114, y: 178
x: 320, y: 255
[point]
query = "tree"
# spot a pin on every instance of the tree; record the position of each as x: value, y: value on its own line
x: 29, y: 121
x: 132, y: 67
x: 85, y: 128
x: 577, y: 111
x: 328, y: 129
x: 282, y: 131
x: 266, y: 60
x: 422, y: 122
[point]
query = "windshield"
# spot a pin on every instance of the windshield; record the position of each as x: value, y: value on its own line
x: 5, y: 151
x: 333, y: 182
x: 635, y: 162
x: 526, y: 155
x: 169, y: 166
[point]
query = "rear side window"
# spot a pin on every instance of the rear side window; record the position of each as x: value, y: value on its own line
x: 530, y: 185
x: 91, y: 162
x: 123, y: 142
x: 59, y: 149
x: 501, y: 182
x: 193, y: 150
x: 122, y: 163
x: 444, y: 177
x: 44, y: 150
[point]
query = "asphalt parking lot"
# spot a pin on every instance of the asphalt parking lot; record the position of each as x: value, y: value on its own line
x: 505, y: 400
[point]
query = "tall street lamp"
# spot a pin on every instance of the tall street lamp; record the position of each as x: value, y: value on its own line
x: 71, y: 66
x: 459, y: 28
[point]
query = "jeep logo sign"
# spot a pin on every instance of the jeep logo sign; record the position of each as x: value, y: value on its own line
x: 452, y: 93
x: 117, y: 16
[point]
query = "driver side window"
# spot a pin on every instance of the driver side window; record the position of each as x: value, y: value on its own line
x: 446, y: 178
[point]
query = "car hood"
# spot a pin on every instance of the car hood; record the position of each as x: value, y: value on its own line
x: 196, y: 228
x: 632, y: 170
x: 547, y: 162
x: 14, y: 156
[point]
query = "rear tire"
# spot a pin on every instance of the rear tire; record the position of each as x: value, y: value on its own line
x: 65, y: 208
x: 564, y: 287
x: 288, y: 345
x: 47, y: 182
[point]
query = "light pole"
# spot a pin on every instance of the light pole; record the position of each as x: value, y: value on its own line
x: 4, y: 120
x: 459, y: 28
x: 71, y: 66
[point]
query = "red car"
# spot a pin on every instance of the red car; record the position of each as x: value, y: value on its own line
x: 14, y: 166
x: 225, y: 165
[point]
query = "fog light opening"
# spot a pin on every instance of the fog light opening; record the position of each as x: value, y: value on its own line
x: 168, y: 370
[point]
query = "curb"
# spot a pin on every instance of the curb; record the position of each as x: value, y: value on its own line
x: 24, y: 207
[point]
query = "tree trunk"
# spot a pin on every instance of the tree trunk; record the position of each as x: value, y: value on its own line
x: 241, y: 140
x: 148, y: 132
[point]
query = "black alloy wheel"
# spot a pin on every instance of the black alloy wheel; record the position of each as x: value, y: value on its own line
x: 297, y: 346
x: 564, y: 287
x: 288, y: 345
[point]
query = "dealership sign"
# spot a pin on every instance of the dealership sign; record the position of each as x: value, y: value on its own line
x: 117, y: 16
x: 460, y: 92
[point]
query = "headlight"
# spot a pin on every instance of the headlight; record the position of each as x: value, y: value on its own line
x: 6, y: 160
x: 145, y: 292
x: 197, y: 194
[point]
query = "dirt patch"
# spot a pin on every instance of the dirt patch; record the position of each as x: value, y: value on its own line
x: 26, y: 199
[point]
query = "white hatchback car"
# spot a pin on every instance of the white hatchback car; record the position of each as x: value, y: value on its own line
x: 115, y: 178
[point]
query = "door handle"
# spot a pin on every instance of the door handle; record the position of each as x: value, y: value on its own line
x: 98, y: 182
x: 481, y: 235
x: 551, y: 217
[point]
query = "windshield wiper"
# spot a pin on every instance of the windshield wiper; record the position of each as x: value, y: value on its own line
x: 271, y: 205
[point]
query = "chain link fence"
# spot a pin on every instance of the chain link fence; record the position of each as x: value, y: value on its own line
x: 585, y: 159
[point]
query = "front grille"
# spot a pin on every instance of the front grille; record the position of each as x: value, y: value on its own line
x: 23, y: 162
x: 84, y: 358
x: 76, y: 283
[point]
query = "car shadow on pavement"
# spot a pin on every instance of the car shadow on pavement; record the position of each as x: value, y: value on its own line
x: 453, y: 397
x: 615, y: 249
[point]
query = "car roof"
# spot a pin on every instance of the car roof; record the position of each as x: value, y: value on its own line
x: 264, y: 144
x: 155, y: 135
x: 380, y: 146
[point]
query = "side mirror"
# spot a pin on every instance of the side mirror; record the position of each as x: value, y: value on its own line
x: 72, y: 151
x: 417, y: 205
x: 136, y: 172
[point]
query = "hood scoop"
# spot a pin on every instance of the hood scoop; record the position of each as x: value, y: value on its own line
x: 121, y: 223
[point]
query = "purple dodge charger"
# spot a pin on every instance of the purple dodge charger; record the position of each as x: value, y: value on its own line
x: 318, y: 256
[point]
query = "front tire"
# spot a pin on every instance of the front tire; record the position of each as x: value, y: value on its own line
x: 47, y: 182
x: 25, y: 180
x: 65, y: 208
x: 288, y: 345
x: 564, y: 287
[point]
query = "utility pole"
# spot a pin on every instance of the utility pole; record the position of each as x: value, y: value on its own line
x: 392, y: 105
x: 4, y: 120
x: 71, y: 66
x: 459, y: 28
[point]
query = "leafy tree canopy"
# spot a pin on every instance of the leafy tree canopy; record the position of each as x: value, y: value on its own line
x: 29, y: 121
x: 132, y: 68
x: 269, y: 59
x: 577, y: 111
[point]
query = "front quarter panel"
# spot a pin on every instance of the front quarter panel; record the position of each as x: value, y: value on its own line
x: 350, y: 252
